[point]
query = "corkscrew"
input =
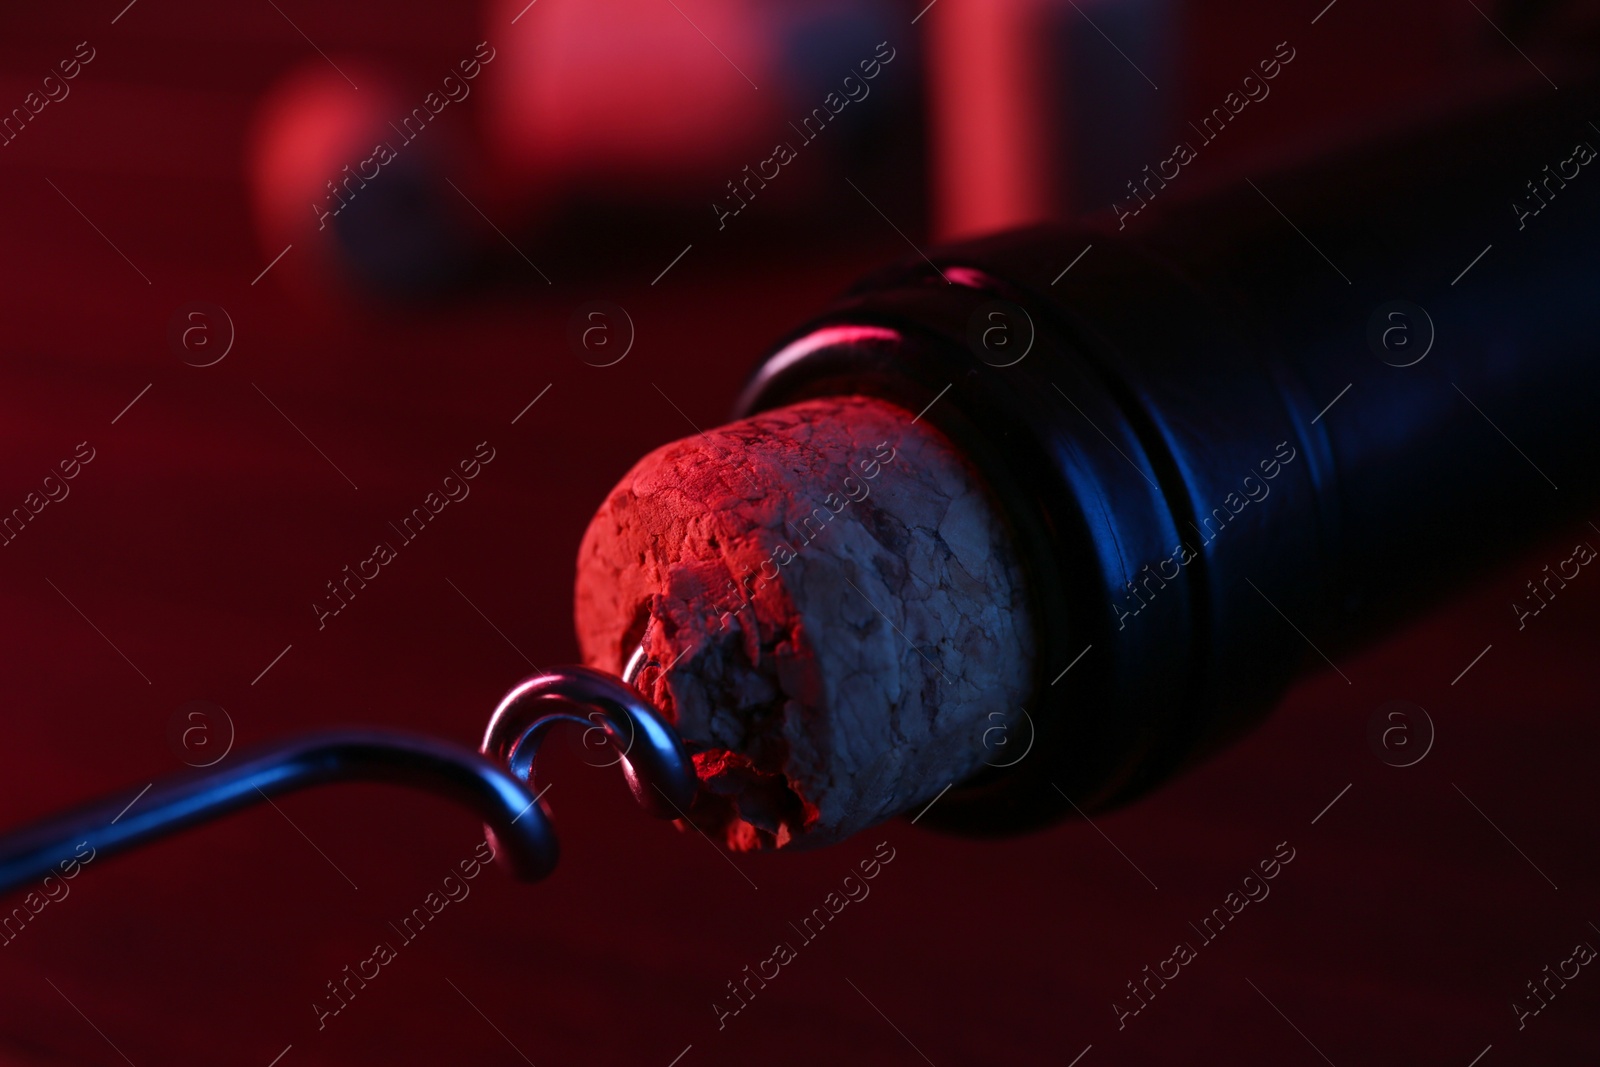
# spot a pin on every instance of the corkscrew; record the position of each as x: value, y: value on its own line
x: 496, y: 782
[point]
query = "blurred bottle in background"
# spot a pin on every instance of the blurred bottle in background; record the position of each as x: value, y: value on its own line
x: 585, y: 125
x: 1041, y: 109
x: 588, y: 129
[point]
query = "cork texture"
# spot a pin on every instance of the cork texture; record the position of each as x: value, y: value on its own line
x: 833, y: 611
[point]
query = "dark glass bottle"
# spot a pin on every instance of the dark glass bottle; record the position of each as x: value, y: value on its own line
x: 1242, y: 425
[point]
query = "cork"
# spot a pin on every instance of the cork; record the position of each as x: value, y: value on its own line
x: 833, y: 609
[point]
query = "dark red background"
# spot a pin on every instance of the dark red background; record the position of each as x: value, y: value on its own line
x: 199, y: 536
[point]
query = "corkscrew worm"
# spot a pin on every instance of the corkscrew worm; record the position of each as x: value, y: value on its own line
x: 653, y: 760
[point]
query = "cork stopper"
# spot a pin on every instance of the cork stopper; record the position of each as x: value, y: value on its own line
x: 836, y: 615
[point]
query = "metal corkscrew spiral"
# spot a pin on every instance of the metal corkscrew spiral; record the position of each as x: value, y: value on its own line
x: 652, y: 756
x: 492, y: 783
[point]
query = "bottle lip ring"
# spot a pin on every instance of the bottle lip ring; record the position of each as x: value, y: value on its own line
x: 903, y: 344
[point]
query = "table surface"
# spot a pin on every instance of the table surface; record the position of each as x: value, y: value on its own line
x: 183, y: 566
